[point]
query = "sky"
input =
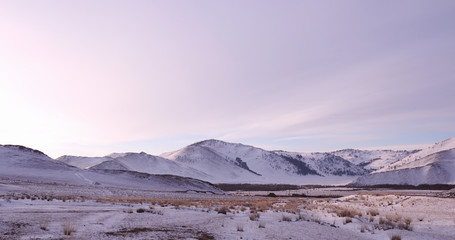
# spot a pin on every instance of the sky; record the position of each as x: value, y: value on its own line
x: 94, y: 77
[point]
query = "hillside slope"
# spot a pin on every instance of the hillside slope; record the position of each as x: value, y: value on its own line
x: 433, y: 165
x: 237, y: 163
x: 372, y: 159
x: 419, y: 159
x: 25, y: 164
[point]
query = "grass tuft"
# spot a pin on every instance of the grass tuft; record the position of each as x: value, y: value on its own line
x: 222, y: 210
x: 254, y: 216
x: 286, y: 218
x: 261, y: 225
x: 395, y: 236
x: 68, y: 228
x: 239, y: 228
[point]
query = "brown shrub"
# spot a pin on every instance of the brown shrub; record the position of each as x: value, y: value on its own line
x: 222, y: 210
x: 286, y: 218
x: 68, y: 228
x: 239, y: 228
x: 254, y: 216
x: 373, y: 212
x: 395, y: 236
x: 347, y: 212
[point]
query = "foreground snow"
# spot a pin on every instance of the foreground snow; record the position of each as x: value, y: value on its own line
x: 30, y: 211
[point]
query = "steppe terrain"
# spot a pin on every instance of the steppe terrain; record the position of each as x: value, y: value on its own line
x: 64, y: 211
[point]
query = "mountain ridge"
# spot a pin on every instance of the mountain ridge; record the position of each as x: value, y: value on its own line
x: 26, y: 164
x: 432, y: 165
x: 218, y: 161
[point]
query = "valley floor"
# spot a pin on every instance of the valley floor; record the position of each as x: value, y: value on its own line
x: 51, y: 211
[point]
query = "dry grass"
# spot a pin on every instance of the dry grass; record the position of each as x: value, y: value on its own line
x: 222, y: 210
x: 373, y: 212
x: 44, y: 224
x: 371, y: 219
x: 259, y: 204
x: 405, y: 224
x: 395, y: 236
x: 408, y: 220
x: 300, y: 217
x: 263, y: 205
x: 292, y: 206
x: 397, y: 217
x: 385, y: 224
x: 239, y: 228
x: 286, y: 218
x: 346, y: 212
x: 68, y: 228
x: 347, y: 220
x: 152, y: 211
x: 254, y: 216
x: 261, y: 225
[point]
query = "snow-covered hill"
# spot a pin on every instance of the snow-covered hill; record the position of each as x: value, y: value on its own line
x: 419, y: 159
x: 139, y: 162
x: 19, y: 160
x: 238, y: 163
x: 222, y: 162
x: 143, y: 162
x: 83, y: 162
x: 21, y: 163
x: 372, y: 159
x: 433, y: 165
x: 326, y: 163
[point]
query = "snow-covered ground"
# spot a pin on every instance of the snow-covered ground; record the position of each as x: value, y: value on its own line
x: 46, y: 211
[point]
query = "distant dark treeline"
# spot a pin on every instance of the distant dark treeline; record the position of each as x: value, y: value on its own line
x: 284, y: 187
x: 257, y: 187
x: 411, y: 187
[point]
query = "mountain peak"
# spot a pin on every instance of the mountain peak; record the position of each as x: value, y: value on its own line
x: 23, y: 149
x: 210, y: 142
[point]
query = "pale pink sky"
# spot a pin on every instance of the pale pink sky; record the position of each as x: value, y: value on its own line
x: 94, y: 77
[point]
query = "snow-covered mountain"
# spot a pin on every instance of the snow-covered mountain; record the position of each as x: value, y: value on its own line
x: 372, y: 159
x: 139, y: 162
x: 22, y: 163
x: 421, y: 158
x: 433, y: 165
x: 143, y: 162
x: 222, y: 162
x: 326, y: 163
x: 236, y: 163
x: 83, y: 162
x: 19, y: 160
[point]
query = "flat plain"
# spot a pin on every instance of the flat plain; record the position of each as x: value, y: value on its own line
x: 30, y: 210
